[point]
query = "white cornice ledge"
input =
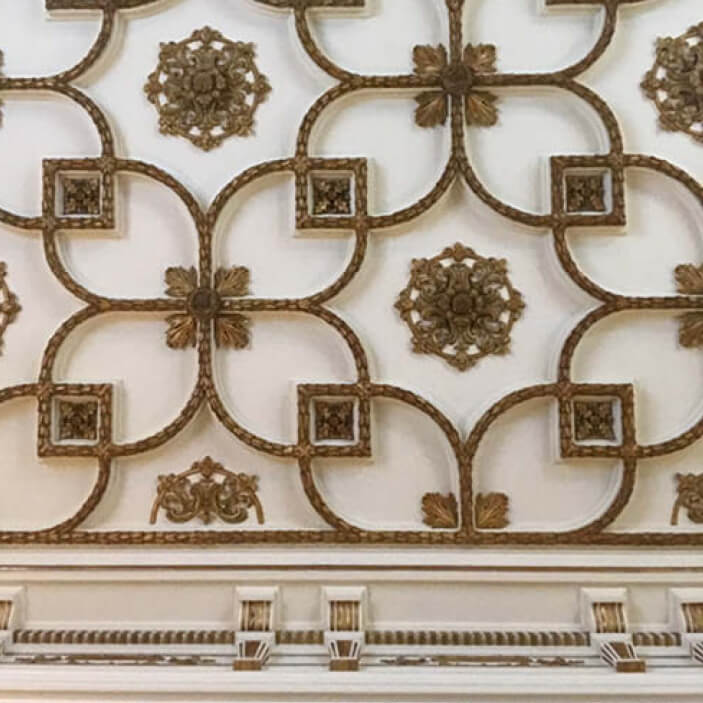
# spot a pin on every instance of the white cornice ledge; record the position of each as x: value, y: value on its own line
x: 682, y: 685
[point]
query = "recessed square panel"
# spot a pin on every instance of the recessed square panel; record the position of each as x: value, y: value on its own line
x: 334, y: 420
x: 332, y: 194
x: 76, y: 419
x: 80, y: 194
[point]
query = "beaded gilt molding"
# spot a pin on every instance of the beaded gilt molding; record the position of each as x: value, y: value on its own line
x: 459, y: 307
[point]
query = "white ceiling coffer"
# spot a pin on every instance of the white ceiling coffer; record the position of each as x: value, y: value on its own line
x: 257, y: 611
x: 686, y: 618
x: 344, y: 614
x: 604, y: 615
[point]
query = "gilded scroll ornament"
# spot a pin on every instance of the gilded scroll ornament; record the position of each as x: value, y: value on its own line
x: 675, y: 82
x: 689, y: 490
x: 455, y: 79
x: 492, y: 511
x: 689, y: 281
x: 196, y: 493
x: 9, y: 307
x: 204, y: 305
x: 207, y: 88
x: 460, y: 306
x: 440, y: 511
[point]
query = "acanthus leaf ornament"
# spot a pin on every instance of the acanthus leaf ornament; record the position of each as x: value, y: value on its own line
x: 492, y: 511
x: 196, y: 493
x: 440, y: 511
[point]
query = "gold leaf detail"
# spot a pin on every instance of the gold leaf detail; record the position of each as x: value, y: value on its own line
x: 431, y: 109
x: 691, y: 330
x: 480, y: 58
x: 181, y: 281
x: 492, y: 511
x: 689, y: 279
x: 181, y: 331
x: 440, y: 511
x: 429, y: 60
x: 232, y: 331
x: 232, y: 282
x: 481, y: 110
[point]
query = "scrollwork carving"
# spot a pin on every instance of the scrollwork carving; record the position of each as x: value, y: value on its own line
x: 185, y: 499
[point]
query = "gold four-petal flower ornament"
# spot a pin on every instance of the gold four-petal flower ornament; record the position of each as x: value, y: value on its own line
x: 204, y: 305
x: 455, y: 79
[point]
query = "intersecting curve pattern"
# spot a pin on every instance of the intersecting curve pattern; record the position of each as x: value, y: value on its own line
x: 458, y: 168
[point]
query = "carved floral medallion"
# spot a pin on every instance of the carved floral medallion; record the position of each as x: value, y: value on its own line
x: 207, y: 88
x: 455, y: 79
x: 205, y: 306
x: 675, y: 82
x: 460, y: 306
